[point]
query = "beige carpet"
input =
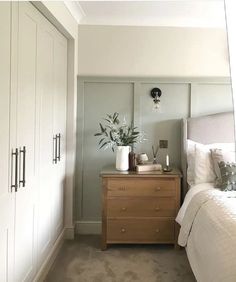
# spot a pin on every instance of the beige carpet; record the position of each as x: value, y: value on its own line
x: 82, y: 261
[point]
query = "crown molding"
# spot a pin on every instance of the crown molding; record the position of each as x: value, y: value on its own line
x: 76, y: 10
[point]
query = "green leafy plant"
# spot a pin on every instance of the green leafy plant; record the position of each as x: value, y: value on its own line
x: 114, y: 133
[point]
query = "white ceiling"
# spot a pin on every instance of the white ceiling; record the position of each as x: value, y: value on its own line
x: 184, y: 13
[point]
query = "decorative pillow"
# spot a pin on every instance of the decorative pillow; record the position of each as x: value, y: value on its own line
x: 191, y: 160
x: 219, y: 155
x: 228, y: 176
x: 203, y: 170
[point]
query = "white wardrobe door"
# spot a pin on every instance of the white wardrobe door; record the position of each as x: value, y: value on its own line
x: 26, y: 124
x: 6, y: 197
x: 59, y: 120
x: 45, y: 180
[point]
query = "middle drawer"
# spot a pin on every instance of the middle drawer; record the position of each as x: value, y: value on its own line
x: 141, y: 207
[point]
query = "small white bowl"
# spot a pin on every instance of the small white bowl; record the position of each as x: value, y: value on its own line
x: 142, y: 158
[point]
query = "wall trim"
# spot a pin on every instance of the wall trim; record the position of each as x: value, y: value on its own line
x: 88, y: 227
x: 69, y: 233
x: 48, y: 262
x: 200, y: 80
x: 83, y: 225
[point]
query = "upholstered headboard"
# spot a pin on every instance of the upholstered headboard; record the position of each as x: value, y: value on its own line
x: 217, y: 128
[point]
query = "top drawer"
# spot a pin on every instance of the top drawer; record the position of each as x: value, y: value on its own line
x: 141, y: 187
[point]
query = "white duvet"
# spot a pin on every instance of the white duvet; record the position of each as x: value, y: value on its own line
x: 191, y: 193
x: 208, y: 231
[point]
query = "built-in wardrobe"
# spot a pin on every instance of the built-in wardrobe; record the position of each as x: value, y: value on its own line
x: 33, y: 89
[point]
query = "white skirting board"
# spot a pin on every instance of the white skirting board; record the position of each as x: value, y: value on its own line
x: 70, y: 233
x: 67, y: 233
x: 88, y: 227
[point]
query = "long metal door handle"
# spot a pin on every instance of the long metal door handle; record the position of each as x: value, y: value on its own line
x: 15, y: 169
x: 23, y: 151
x: 55, y: 149
x: 59, y: 147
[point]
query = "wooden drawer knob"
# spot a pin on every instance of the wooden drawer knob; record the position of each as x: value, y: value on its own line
x: 124, y: 209
x: 122, y: 230
x: 158, y: 188
x: 157, y: 230
x: 157, y: 209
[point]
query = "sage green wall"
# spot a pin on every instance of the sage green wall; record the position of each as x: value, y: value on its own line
x: 181, y: 98
x: 164, y: 124
x: 99, y: 99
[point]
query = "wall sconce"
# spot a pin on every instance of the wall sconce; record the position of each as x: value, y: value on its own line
x: 156, y: 94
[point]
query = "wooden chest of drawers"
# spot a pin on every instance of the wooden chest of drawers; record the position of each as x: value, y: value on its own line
x: 140, y: 207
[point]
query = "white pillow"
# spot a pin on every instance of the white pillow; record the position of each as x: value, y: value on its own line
x: 200, y: 177
x: 190, y: 161
x: 203, y: 168
x: 223, y: 146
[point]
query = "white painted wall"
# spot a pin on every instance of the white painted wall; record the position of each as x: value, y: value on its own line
x: 58, y: 14
x: 231, y: 23
x: 152, y: 51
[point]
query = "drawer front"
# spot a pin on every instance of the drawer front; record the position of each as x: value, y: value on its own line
x: 141, y: 207
x: 141, y: 187
x: 140, y: 230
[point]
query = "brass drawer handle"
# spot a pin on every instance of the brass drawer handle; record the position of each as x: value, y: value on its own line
x: 122, y: 230
x: 124, y: 209
x: 158, y: 188
x: 157, y: 230
x: 157, y: 209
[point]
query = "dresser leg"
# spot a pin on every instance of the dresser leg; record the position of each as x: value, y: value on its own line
x: 103, y: 242
x: 177, y: 247
x: 103, y: 246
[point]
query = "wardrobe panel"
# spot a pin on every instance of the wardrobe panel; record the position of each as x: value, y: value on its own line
x: 26, y: 124
x: 59, y: 123
x: 33, y: 87
x: 5, y: 48
x: 6, y: 197
x: 45, y: 179
x: 60, y: 82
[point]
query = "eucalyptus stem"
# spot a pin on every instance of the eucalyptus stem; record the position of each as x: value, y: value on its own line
x: 113, y: 133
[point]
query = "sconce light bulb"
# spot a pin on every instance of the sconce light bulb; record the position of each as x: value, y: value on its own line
x: 156, y: 103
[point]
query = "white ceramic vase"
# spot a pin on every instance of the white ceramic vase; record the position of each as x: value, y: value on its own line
x: 122, y: 158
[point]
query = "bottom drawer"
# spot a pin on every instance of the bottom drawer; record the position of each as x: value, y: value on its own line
x: 149, y: 230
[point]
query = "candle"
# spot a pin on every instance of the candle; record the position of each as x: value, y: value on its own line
x: 167, y: 160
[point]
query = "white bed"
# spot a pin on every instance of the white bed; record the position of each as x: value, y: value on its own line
x: 208, y: 216
x: 190, y: 194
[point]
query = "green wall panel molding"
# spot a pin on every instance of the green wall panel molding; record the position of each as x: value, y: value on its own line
x: 181, y: 97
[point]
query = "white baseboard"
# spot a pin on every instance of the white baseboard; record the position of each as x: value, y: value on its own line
x: 81, y: 227
x: 88, y: 227
x: 70, y: 233
x: 43, y: 271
